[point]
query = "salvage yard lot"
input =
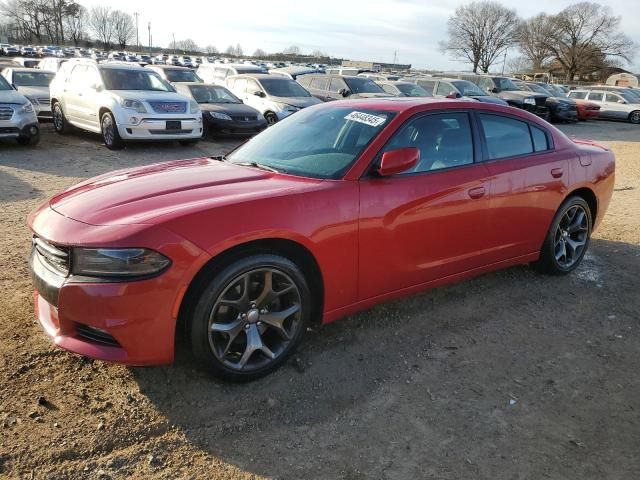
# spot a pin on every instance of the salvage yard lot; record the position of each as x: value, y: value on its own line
x: 511, y: 375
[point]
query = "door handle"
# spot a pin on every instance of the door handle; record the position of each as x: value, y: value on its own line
x: 476, y: 192
x: 557, y: 172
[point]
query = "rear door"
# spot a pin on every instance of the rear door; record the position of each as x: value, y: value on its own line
x: 616, y: 105
x: 430, y: 222
x: 529, y: 181
x: 335, y: 86
x: 598, y: 97
x: 72, y: 94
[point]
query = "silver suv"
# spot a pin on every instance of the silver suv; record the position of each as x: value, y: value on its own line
x: 122, y: 102
x: 17, y: 116
x: 613, y: 105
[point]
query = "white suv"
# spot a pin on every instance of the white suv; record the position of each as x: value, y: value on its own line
x: 123, y: 102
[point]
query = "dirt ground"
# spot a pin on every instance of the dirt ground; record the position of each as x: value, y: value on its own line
x: 511, y: 375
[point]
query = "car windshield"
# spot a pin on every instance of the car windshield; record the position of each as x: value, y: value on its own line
x: 4, y: 85
x: 315, y: 142
x: 176, y: 75
x: 32, y: 79
x: 283, y: 87
x: 125, y: 79
x: 412, y: 90
x: 505, y: 84
x: 468, y: 89
x: 538, y: 89
x: 363, y: 85
x: 212, y: 94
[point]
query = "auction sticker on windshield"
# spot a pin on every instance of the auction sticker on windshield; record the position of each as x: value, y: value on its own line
x: 366, y: 118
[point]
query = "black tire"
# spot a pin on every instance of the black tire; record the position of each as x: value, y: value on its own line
x: 110, y: 134
x: 634, y: 117
x: 60, y: 124
x: 271, y: 118
x: 209, y: 308
x: 189, y: 143
x: 564, y: 233
x: 31, y: 140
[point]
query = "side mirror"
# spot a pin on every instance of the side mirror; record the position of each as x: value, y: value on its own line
x: 344, y: 92
x: 398, y: 161
x: 259, y: 93
x: 492, y: 90
x: 621, y: 101
x: 454, y: 95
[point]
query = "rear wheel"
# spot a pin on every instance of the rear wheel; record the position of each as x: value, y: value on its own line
x: 59, y: 120
x: 250, y: 317
x: 110, y: 134
x: 634, y: 117
x: 568, y: 238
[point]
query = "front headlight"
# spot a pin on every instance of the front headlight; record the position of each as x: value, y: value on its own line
x: 26, y: 107
x: 220, y: 115
x: 194, y: 107
x: 530, y: 101
x: 136, y: 105
x: 117, y: 262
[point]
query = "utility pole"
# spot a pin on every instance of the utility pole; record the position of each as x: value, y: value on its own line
x: 174, y: 42
x: 149, y: 26
x: 395, y: 58
x: 136, y: 14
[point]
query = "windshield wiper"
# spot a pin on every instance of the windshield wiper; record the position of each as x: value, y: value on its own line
x: 260, y: 166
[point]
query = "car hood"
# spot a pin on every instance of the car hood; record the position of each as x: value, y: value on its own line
x: 300, y: 102
x: 145, y: 194
x: 149, y: 95
x: 519, y: 95
x: 11, y: 96
x: 34, y: 91
x: 489, y: 99
x: 230, y: 108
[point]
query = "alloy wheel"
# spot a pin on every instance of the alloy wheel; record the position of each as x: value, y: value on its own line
x: 571, y: 236
x: 635, y: 117
x: 58, y: 120
x: 254, y: 319
x: 107, y: 130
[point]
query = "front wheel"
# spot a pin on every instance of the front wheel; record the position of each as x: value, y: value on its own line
x: 568, y: 238
x: 250, y: 317
x: 271, y: 118
x: 110, y: 134
x: 59, y: 120
x: 634, y: 117
x: 29, y: 140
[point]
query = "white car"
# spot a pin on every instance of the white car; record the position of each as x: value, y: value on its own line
x: 122, y: 102
x: 218, y: 72
x: 17, y: 117
x: 33, y: 84
x: 275, y: 96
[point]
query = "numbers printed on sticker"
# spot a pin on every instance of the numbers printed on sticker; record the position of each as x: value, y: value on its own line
x: 366, y: 118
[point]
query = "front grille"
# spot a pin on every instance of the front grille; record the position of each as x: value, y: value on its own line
x: 5, y: 130
x: 96, y: 335
x: 541, y: 101
x: 244, y: 118
x: 168, y: 107
x: 169, y: 132
x: 57, y: 259
x: 44, y: 100
x: 6, y: 112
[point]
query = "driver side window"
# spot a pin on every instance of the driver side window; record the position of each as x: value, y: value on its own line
x: 444, y: 141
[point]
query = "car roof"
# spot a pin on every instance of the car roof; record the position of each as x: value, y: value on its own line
x: 29, y: 70
x: 262, y: 76
x: 166, y: 67
x: 120, y: 66
x: 201, y: 84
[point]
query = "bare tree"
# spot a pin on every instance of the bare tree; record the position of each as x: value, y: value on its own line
x: 231, y: 50
x: 584, y: 35
x: 75, y: 25
x: 187, y: 45
x: 259, y: 53
x: 239, y: 51
x: 520, y: 65
x: 292, y: 50
x: 211, y: 50
x: 101, y: 26
x: 532, y: 38
x: 319, y: 54
x: 124, y: 28
x: 480, y: 32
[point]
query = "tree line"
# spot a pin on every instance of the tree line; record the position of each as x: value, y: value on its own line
x: 582, y: 38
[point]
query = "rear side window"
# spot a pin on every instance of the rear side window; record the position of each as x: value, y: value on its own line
x: 428, y: 85
x: 540, y: 141
x: 505, y: 137
x: 444, y: 89
x: 612, y: 98
x: 337, y: 84
x: 304, y: 80
x: 389, y: 89
x: 596, y: 96
x: 578, y: 95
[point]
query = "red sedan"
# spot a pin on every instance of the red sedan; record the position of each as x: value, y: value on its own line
x: 339, y: 207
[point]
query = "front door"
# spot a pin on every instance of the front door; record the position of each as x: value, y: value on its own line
x: 429, y: 222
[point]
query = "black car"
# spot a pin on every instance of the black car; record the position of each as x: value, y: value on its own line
x: 222, y: 111
x: 448, y: 87
x: 403, y: 89
x: 338, y: 87
x: 504, y: 88
x: 174, y: 74
x: 561, y: 109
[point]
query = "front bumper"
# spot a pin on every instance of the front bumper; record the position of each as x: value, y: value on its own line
x: 235, y: 127
x: 131, y: 322
x: 156, y: 128
x: 564, y: 114
x: 18, y: 125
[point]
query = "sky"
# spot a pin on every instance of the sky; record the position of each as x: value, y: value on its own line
x: 354, y: 29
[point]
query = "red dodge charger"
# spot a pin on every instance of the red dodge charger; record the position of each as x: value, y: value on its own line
x: 339, y: 207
